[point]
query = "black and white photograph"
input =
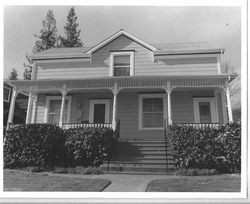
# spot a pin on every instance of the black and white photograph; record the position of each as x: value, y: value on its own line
x: 124, y: 101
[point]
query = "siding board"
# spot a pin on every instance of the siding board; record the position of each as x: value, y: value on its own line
x: 144, y: 64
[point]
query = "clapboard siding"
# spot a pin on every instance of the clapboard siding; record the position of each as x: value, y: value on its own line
x: 182, y: 104
x: 128, y: 109
x: 144, y: 63
x: 128, y: 113
x: 79, y: 106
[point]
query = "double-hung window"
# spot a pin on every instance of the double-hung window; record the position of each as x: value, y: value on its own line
x: 122, y: 63
x: 151, y: 111
x: 54, y: 109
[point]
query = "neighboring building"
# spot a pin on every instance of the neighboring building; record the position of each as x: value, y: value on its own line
x: 128, y: 79
x: 20, y: 105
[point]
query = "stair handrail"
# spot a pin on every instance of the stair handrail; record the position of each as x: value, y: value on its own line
x: 166, y: 141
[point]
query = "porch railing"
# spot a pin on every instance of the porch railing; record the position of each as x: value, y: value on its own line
x: 86, y: 125
x: 200, y: 125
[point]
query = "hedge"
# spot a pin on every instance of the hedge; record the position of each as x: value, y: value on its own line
x: 207, y: 148
x: 40, y: 145
x: 88, y: 146
x: 46, y: 145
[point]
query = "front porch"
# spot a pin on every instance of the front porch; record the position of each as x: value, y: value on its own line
x: 140, y: 103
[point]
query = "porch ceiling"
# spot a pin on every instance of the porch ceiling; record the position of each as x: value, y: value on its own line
x: 104, y: 83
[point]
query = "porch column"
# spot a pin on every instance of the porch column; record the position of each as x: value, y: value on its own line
x: 64, y: 94
x: 168, y: 90
x: 223, y: 101
x: 34, y: 109
x: 12, y: 108
x: 115, y: 91
x: 229, y: 107
x: 28, y: 109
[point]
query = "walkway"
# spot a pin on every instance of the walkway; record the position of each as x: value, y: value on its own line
x: 122, y: 182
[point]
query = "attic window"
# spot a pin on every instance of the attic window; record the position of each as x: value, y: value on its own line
x: 122, y: 64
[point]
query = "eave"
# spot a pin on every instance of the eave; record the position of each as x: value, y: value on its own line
x: 160, y: 54
x: 229, y: 77
x: 61, y: 56
x: 116, y: 35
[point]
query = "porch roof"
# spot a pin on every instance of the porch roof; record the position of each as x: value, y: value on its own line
x: 123, y: 82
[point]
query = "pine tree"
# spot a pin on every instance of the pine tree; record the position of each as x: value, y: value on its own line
x: 72, y: 34
x: 48, y: 34
x: 13, y: 74
x: 28, y: 70
x: 46, y: 39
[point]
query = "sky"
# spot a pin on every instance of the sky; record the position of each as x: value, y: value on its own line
x: 152, y: 24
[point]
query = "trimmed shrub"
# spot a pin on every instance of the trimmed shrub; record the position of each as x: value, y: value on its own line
x: 88, y: 146
x: 196, y: 172
x: 37, y: 145
x: 207, y: 148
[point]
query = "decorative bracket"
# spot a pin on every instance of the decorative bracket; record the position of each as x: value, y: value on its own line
x: 115, y: 89
x: 168, y: 88
x: 64, y: 90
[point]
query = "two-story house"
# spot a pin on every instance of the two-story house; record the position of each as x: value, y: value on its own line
x: 124, y: 78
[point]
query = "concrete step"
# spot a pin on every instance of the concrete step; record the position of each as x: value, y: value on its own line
x: 139, y: 167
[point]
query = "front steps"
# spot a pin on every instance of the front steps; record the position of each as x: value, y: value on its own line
x: 140, y: 156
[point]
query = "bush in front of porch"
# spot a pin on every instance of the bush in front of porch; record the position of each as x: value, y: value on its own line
x: 88, y: 146
x: 37, y: 145
x: 207, y: 148
x: 45, y: 146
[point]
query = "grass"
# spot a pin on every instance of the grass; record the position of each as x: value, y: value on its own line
x: 221, y: 183
x: 15, y: 180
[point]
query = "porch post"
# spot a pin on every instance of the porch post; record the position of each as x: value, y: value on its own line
x: 64, y: 93
x: 229, y: 107
x: 28, y: 109
x: 12, y: 108
x: 168, y: 90
x: 223, y: 101
x: 34, y: 109
x: 115, y: 91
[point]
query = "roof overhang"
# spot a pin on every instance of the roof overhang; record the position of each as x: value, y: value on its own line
x: 61, y: 56
x: 159, y: 54
x: 229, y: 77
x: 118, y: 34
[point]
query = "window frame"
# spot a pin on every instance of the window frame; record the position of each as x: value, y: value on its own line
x: 141, y: 97
x: 47, y: 108
x: 9, y: 89
x: 213, y: 109
x: 132, y: 57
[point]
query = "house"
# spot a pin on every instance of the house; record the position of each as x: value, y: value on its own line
x: 125, y: 79
x: 20, y: 105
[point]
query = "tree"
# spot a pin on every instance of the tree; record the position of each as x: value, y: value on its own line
x: 27, y: 72
x: 234, y: 86
x: 46, y: 39
x: 48, y: 34
x: 72, y: 34
x: 13, y: 74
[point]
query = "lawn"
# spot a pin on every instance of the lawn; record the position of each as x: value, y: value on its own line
x: 15, y: 180
x: 196, y: 184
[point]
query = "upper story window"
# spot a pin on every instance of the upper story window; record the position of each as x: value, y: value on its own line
x: 122, y: 64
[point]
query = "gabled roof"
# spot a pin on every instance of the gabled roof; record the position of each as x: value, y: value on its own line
x: 118, y: 34
x: 185, y: 48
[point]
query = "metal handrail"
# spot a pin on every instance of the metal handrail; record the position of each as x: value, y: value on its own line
x: 166, y: 141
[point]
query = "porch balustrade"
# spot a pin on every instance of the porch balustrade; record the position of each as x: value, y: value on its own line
x: 200, y: 125
x: 86, y: 125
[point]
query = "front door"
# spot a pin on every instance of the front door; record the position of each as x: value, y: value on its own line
x: 99, y: 111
